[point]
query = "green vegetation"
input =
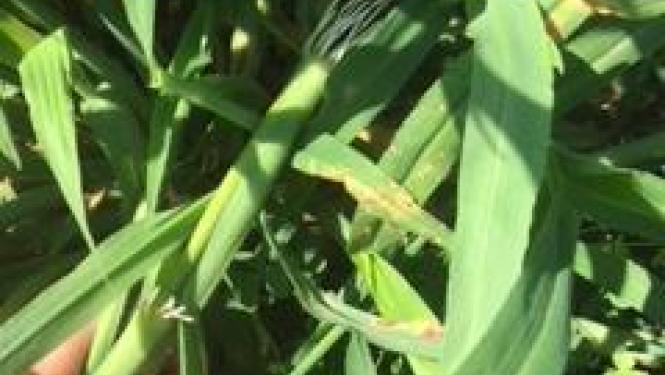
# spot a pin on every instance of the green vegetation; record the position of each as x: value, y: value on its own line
x: 427, y: 187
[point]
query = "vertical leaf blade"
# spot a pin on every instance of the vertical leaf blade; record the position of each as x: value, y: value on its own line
x: 503, y: 161
x: 45, y: 76
x: 192, y: 55
x: 191, y: 348
x: 7, y: 147
x: 141, y: 17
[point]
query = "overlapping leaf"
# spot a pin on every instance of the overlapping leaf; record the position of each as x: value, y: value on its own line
x: 504, y: 152
x: 71, y: 302
x: 624, y: 199
x: 629, y: 284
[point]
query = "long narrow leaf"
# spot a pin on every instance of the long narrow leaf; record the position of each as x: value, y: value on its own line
x: 7, y: 147
x: 70, y: 303
x: 215, y: 96
x: 191, y: 56
x: 15, y: 39
x: 45, y: 76
x: 141, y: 17
x: 191, y: 348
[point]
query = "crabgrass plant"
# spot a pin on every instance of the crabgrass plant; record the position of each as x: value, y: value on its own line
x: 436, y: 187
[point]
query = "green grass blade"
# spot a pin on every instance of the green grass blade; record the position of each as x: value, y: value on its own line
x: 439, y: 104
x: 108, y: 69
x: 375, y: 192
x: 7, y: 148
x: 141, y: 17
x: 358, y: 359
x: 39, y: 12
x: 32, y: 280
x: 46, y: 76
x: 191, y: 56
x: 624, y: 199
x: 112, y: 14
x: 106, y: 274
x: 629, y: 284
x: 166, y: 117
x: 218, y: 96
x: 504, y: 153
x: 191, y: 348
x: 316, y: 346
x: 15, y: 39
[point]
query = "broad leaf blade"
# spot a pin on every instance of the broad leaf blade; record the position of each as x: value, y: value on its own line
x: 45, y: 75
x: 504, y: 153
x: 530, y: 334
